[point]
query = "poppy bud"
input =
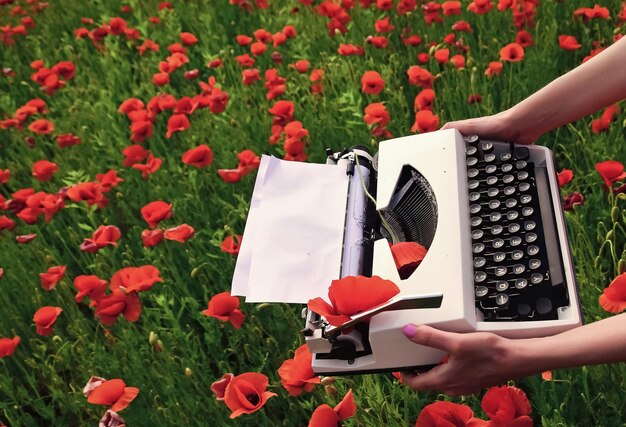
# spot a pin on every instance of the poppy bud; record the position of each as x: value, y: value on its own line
x: 614, y: 214
x: 621, y: 196
x: 621, y: 266
x: 277, y: 57
x: 188, y: 372
x: 194, y: 272
x: 328, y: 380
x: 330, y: 390
x: 30, y: 141
x: 152, y: 339
x: 610, y: 235
x: 159, y: 346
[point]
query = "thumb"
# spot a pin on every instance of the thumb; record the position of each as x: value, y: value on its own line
x: 466, y: 127
x: 431, y: 337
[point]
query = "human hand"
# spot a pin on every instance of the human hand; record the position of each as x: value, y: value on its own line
x: 477, y: 360
x: 499, y: 127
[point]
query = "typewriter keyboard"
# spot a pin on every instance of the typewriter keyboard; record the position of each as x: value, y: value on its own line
x: 518, y: 274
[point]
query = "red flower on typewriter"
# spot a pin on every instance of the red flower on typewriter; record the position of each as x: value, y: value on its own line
x: 296, y: 374
x: 8, y: 345
x: 224, y: 307
x: 43, y: 170
x: 113, y: 393
x: 613, y: 299
x: 231, y: 244
x: 512, y: 52
x: 372, y: 83
x: 199, y: 157
x: 105, y: 235
x: 135, y: 279
x: 352, y: 295
x: 565, y: 176
x: 444, y: 413
x: 568, y: 42
x: 89, y: 286
x: 407, y: 256
x: 180, y: 233
x: 611, y: 171
x: 507, y: 406
x: 246, y: 393
x: 119, y: 302
x: 325, y: 416
x: 155, y: 212
x: 50, y: 278
x: 44, y: 319
x: 425, y: 121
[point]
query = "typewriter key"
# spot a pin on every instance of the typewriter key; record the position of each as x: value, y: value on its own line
x: 509, y: 190
x: 471, y: 161
x: 502, y: 299
x: 521, y: 283
x: 527, y: 211
x: 522, y: 175
x: 521, y: 164
x: 497, y: 243
x: 477, y: 234
x: 507, y: 167
x: 472, y: 172
x: 490, y: 168
x: 522, y: 153
x: 526, y: 198
x: 543, y: 305
x: 480, y: 276
x: 534, y: 264
x: 481, y: 291
x: 517, y: 254
x: 508, y: 178
x: 493, y: 192
x: 496, y: 229
x: 502, y: 286
x: 511, y: 203
x: 505, y: 157
x: 471, y: 150
x: 474, y: 195
x: 478, y: 248
x: 516, y: 240
x: 494, y: 204
x: 486, y: 147
x: 514, y: 227
x: 479, y: 262
x: 473, y: 184
x: 533, y: 250
x: 472, y: 139
x: 536, y: 278
x: 501, y: 271
x: 530, y: 237
x: 490, y: 157
x: 524, y: 186
x: 492, y: 180
x: 475, y: 208
x: 499, y: 256
x: 529, y: 225
x: 519, y: 268
x: 476, y: 221
x: 512, y: 215
x: 523, y: 310
x: 495, y: 216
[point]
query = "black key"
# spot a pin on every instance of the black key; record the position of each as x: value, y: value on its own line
x: 521, y: 153
x: 480, y: 276
x: 502, y: 300
x: 487, y: 147
x: 543, y: 305
x: 523, y: 310
x: 481, y: 291
x: 502, y: 286
x: 472, y: 139
x: 471, y: 150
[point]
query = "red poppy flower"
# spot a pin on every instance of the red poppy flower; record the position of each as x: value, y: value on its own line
x: 507, y: 405
x: 87, y: 191
x: 113, y: 393
x: 301, y: 66
x: 246, y: 393
x: 231, y: 244
x: 383, y: 26
x: 475, y: 98
x: 524, y: 38
x: 372, y: 83
x: 611, y: 171
x: 350, y: 49
x: 613, y: 299
x: 245, y: 60
x: 230, y: 176
x: 224, y: 307
x: 135, y: 279
x: 243, y: 40
x: 568, y: 42
x: 424, y: 100
x: 444, y: 413
x: 199, y: 157
x: 25, y: 238
x: 141, y: 130
x: 258, y: 48
x: 181, y: 233
x: 110, y: 306
x: 480, y: 7
x: 451, y: 8
x: 108, y: 180
x: 463, y: 26
x: 420, y: 76
x: 512, y: 52
x: 248, y: 161
x: 283, y: 112
x: 160, y: 79
x: 494, y: 68
x: 5, y: 175
x: 44, y: 319
x: 250, y: 75
x: 380, y: 42
x: 152, y: 165
x: 152, y: 237
x: 105, y: 235
x: 89, y: 286
x: 352, y: 295
x: 177, y: 123
x: 155, y: 212
x: 458, y: 61
x: 134, y: 154
x: 442, y: 55
x: 425, y: 121
x: 296, y: 374
x: 546, y: 375
x: 117, y: 26
x: 188, y: 39
x: 41, y: 127
x: 50, y: 278
x: 219, y: 387
x: 325, y: 416
x: 376, y: 114
x: 407, y: 256
x: 565, y: 176
x: 412, y: 40
x: 571, y: 200
x: 67, y: 140
x: 8, y: 345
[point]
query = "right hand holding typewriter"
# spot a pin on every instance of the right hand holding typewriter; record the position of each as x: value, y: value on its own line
x: 498, y: 127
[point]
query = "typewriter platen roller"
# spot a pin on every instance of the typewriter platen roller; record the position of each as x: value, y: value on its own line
x: 490, y: 216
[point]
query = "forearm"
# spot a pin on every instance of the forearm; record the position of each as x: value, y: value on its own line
x: 597, y: 83
x: 599, y: 342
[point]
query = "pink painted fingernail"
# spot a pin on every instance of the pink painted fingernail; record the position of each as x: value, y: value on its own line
x: 409, y: 330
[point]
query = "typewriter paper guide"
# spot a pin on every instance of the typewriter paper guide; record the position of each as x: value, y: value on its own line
x: 291, y: 249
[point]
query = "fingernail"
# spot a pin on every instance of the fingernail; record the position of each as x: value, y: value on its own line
x: 409, y: 330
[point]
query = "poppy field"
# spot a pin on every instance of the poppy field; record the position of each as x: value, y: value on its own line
x: 130, y: 137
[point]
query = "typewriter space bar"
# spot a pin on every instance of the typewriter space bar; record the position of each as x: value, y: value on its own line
x: 549, y: 226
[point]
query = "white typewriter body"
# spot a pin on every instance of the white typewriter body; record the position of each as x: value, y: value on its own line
x: 447, y: 271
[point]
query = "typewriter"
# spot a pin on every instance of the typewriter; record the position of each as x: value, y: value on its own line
x: 489, y: 214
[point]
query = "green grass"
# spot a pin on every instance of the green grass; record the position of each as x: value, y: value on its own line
x: 41, y: 384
